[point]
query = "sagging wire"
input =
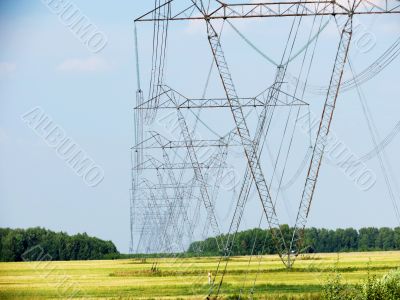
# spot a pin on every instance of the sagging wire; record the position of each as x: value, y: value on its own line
x: 382, y: 158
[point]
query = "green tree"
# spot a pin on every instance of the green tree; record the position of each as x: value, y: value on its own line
x: 55, y: 246
x: 368, y: 239
x: 385, y: 239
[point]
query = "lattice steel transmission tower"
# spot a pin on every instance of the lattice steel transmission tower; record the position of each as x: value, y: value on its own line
x: 179, y: 165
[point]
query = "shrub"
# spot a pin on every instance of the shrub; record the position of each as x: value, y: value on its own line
x: 335, y: 289
x: 385, y: 288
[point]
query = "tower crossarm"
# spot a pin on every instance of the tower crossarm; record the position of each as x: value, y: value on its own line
x: 278, y: 9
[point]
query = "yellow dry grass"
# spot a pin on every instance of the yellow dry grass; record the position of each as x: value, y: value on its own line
x: 185, y: 278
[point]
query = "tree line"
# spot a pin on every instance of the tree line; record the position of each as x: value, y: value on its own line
x: 41, y: 244
x: 259, y: 241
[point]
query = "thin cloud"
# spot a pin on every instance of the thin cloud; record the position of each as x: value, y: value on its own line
x: 7, y: 68
x: 92, y: 64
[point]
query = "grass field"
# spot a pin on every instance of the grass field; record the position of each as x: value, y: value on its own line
x: 185, y: 278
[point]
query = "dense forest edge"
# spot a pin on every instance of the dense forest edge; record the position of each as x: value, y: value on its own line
x: 36, y: 244
x: 41, y: 244
x: 259, y: 241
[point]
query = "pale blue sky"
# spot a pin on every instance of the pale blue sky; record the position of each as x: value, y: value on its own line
x: 92, y: 95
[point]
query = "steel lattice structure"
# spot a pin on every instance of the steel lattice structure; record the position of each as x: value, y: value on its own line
x: 173, y: 179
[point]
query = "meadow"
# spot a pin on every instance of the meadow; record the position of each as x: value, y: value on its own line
x: 187, y: 278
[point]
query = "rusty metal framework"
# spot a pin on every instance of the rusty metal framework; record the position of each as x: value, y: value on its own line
x: 176, y: 181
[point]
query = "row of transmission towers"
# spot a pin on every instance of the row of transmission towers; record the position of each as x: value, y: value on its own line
x: 195, y: 157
